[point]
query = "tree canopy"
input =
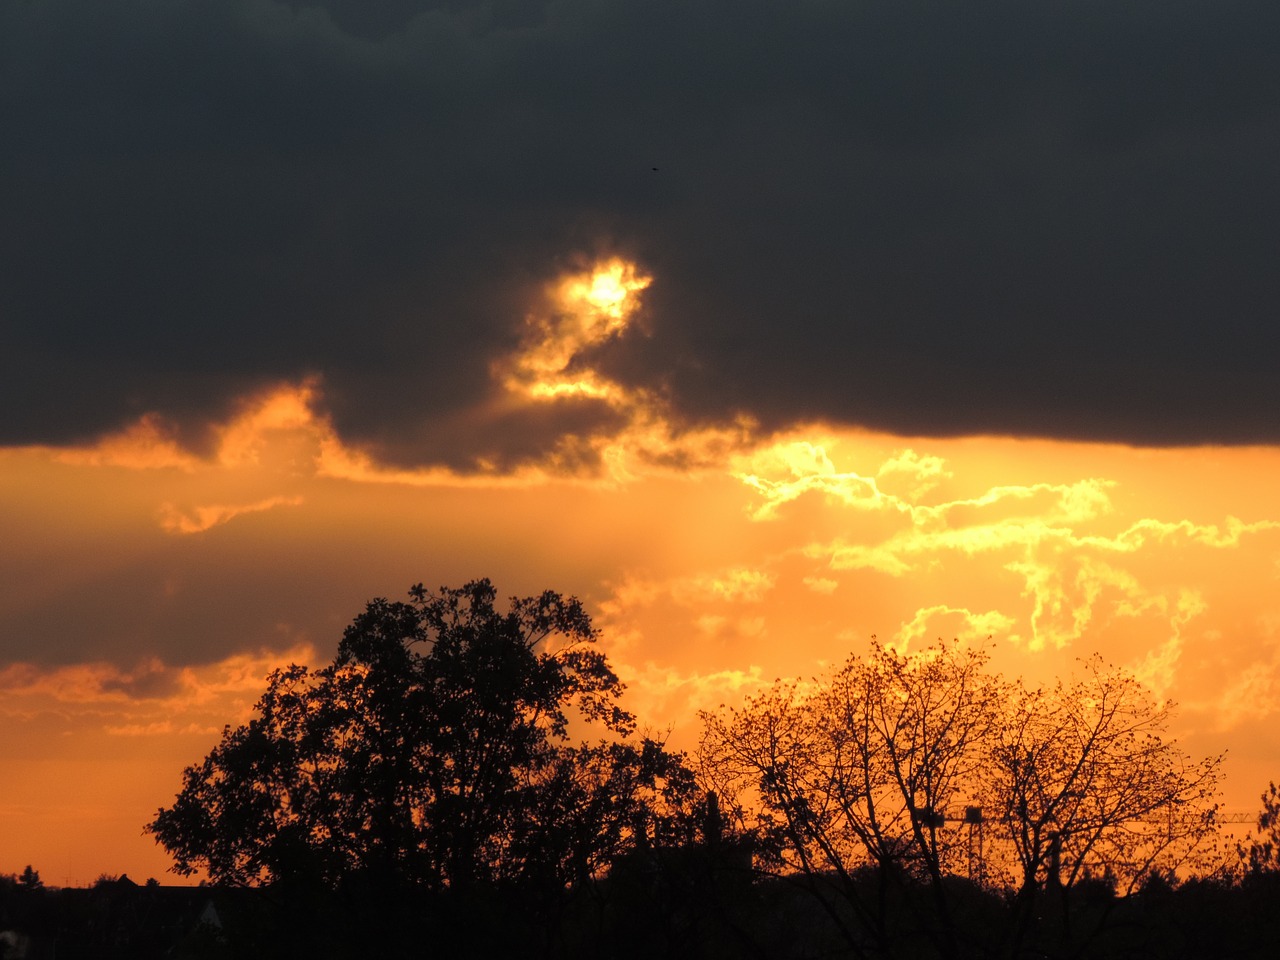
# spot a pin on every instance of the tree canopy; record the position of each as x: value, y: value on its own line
x: 464, y: 766
x: 434, y: 753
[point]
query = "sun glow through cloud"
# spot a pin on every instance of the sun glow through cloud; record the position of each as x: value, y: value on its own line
x: 713, y: 560
x: 583, y: 311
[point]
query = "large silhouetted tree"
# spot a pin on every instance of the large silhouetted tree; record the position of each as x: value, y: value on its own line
x: 434, y: 755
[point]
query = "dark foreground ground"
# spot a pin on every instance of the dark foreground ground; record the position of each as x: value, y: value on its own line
x: 638, y: 914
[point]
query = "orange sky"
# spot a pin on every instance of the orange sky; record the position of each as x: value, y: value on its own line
x: 147, y: 590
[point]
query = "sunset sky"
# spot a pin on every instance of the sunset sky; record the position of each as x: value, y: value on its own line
x: 763, y: 327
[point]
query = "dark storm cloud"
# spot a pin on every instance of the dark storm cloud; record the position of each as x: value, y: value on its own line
x: 1057, y: 218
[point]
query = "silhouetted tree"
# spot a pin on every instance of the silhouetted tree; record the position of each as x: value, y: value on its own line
x: 29, y: 879
x: 434, y: 756
x: 874, y: 783
x: 1260, y: 853
x: 847, y: 780
x: 1082, y: 785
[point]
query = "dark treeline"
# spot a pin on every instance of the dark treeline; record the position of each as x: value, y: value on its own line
x: 463, y: 779
x: 662, y: 909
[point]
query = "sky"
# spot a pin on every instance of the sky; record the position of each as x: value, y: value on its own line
x: 765, y: 328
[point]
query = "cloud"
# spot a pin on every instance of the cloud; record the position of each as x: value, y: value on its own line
x: 575, y: 423
x: 1158, y: 668
x: 1254, y: 694
x: 146, y: 444
x: 200, y: 519
x: 586, y: 311
x: 821, y: 584
x: 1085, y: 565
x: 921, y: 473
x: 1011, y: 219
x: 736, y: 585
x: 665, y: 691
x: 788, y: 469
x: 931, y: 623
x: 152, y: 698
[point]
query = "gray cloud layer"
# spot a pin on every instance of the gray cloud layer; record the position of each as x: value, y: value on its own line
x: 1056, y: 218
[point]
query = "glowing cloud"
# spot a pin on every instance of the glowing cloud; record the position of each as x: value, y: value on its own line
x: 786, y: 470
x: 584, y: 310
x: 285, y: 431
x: 200, y: 519
x: 943, y: 621
x: 656, y: 689
x: 149, y: 696
x: 147, y: 445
